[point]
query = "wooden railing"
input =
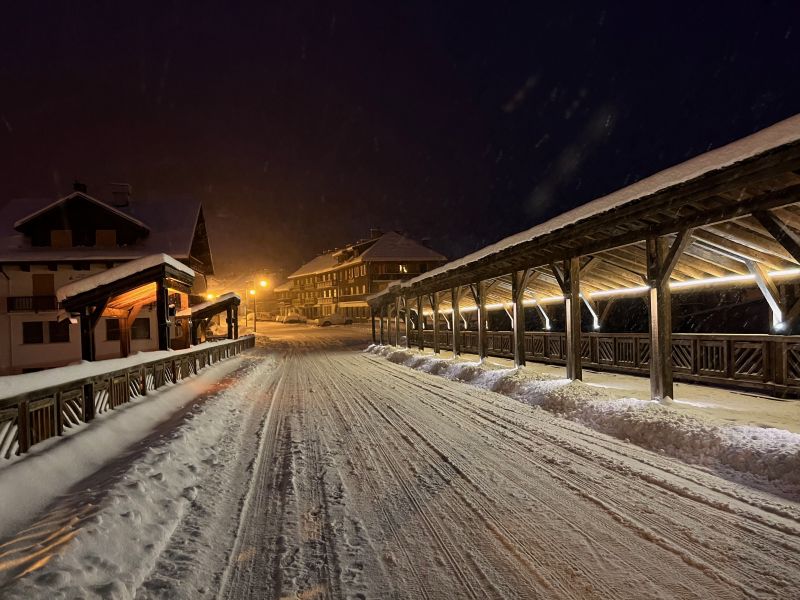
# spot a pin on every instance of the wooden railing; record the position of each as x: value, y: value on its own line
x: 767, y: 363
x: 31, y: 303
x: 29, y: 418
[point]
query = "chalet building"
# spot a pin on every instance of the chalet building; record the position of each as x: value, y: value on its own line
x: 46, y: 244
x: 341, y: 280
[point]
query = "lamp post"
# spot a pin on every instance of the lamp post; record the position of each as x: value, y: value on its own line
x: 252, y: 291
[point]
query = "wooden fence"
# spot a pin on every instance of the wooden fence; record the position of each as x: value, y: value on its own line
x: 766, y: 363
x: 32, y: 417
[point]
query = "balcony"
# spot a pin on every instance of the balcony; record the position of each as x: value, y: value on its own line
x: 321, y: 285
x: 31, y: 303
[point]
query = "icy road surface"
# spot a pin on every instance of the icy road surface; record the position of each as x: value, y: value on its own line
x: 318, y: 471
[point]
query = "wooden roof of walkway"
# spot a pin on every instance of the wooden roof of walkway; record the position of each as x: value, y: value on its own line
x: 730, y: 216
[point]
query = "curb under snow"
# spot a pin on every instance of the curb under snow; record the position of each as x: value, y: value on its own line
x: 765, y: 452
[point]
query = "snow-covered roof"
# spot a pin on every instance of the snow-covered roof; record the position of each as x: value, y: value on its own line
x: 284, y: 287
x: 119, y: 273
x: 171, y: 223
x: 218, y: 301
x: 320, y: 264
x: 392, y: 246
x: 87, y: 197
x: 780, y: 134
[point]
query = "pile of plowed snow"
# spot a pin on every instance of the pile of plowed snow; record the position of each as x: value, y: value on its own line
x: 765, y: 452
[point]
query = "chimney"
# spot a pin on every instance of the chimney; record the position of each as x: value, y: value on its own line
x: 78, y: 186
x: 374, y: 234
x: 120, y: 195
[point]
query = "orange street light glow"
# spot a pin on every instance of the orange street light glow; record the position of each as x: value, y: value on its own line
x: 252, y: 292
x: 263, y: 283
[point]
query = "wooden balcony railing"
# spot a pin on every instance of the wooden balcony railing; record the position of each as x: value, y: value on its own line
x: 31, y: 303
x: 29, y: 418
x: 765, y: 363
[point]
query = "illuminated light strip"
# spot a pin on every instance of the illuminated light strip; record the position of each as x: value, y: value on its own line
x: 675, y: 285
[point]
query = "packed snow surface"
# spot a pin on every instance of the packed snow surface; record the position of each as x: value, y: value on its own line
x: 317, y: 471
x: 118, y: 273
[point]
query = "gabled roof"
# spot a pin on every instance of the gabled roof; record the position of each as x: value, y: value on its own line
x: 84, y: 196
x: 320, y: 264
x: 171, y: 222
x: 392, y: 246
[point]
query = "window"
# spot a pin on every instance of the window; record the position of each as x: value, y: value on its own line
x: 58, y: 331
x: 105, y: 237
x: 43, y: 284
x: 32, y: 332
x: 403, y: 268
x: 61, y: 238
x: 112, y: 330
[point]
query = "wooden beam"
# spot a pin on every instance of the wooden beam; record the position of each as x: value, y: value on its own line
x: 455, y: 299
x: 770, y: 292
x: 382, y: 314
x: 572, y: 306
x: 682, y: 239
x: 660, y: 307
x: 407, y: 315
x: 479, y: 295
x: 782, y: 233
x: 434, y: 299
x: 374, y: 336
x: 519, y: 280
x: 162, y: 310
x: 397, y: 321
x: 420, y: 336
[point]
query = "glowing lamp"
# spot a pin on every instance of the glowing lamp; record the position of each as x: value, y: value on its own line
x: 263, y: 283
x: 252, y: 292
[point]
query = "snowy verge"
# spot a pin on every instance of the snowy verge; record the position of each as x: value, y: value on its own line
x: 764, y: 452
x: 50, y: 469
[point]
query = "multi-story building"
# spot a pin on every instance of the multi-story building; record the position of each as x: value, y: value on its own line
x: 45, y: 245
x: 341, y: 280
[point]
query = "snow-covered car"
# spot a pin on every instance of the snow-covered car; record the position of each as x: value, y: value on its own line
x: 332, y: 319
x: 293, y: 318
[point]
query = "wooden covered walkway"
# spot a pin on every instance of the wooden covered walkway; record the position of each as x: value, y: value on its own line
x: 725, y: 219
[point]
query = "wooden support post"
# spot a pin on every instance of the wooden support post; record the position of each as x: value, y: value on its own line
x: 162, y: 312
x: 573, y: 309
x: 479, y: 296
x: 374, y: 337
x: 383, y: 317
x: 434, y: 299
x: 397, y: 321
x: 455, y: 298
x: 229, y: 321
x: 519, y: 281
x: 124, y: 337
x: 420, y: 331
x: 23, y: 427
x: 87, y: 335
x: 88, y: 402
x: 407, y: 315
x: 660, y: 261
x: 236, y: 323
x: 771, y: 295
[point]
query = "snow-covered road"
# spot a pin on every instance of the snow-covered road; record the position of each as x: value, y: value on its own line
x: 324, y: 472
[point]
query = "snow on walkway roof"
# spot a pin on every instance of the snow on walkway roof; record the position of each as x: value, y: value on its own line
x: 119, y: 273
x: 782, y: 133
x: 220, y: 300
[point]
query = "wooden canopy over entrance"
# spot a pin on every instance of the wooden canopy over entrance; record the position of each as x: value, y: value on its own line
x: 121, y: 292
x: 201, y: 313
x: 729, y: 217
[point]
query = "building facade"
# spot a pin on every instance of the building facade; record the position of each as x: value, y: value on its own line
x: 340, y: 280
x: 45, y: 245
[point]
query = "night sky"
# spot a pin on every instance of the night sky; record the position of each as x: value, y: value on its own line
x: 301, y: 125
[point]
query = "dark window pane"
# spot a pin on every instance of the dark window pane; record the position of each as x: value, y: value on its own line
x: 141, y: 329
x: 112, y: 329
x: 32, y: 332
x: 59, y: 331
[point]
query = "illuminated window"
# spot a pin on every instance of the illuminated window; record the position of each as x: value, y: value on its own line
x: 404, y: 268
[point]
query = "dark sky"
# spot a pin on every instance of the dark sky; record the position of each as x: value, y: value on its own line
x: 301, y: 125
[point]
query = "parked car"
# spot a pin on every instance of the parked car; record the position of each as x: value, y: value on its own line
x: 293, y: 318
x: 332, y: 319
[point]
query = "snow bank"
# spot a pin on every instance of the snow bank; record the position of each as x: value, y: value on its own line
x: 765, y: 452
